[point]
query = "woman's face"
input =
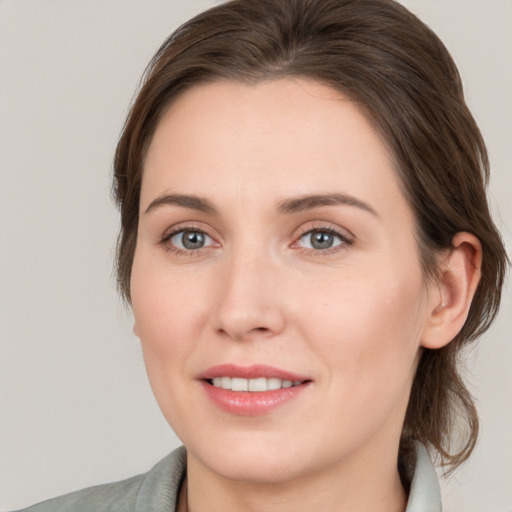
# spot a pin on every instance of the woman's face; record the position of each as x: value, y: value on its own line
x: 275, y: 247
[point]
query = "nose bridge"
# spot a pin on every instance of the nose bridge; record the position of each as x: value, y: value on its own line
x: 248, y: 302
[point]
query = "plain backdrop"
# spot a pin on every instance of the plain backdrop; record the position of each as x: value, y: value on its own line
x: 75, y: 406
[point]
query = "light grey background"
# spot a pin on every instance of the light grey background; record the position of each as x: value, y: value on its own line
x: 75, y: 407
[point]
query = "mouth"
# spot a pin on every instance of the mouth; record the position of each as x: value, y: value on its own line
x: 259, y: 384
x: 251, y: 390
x: 253, y: 378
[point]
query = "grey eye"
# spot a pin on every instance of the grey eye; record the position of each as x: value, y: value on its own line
x: 190, y: 240
x: 320, y: 240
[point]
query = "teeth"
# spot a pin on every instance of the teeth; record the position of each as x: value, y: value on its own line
x: 258, y: 384
x: 238, y: 384
x: 273, y: 384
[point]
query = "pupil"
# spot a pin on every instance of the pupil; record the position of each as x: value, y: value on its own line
x: 193, y: 240
x: 322, y: 241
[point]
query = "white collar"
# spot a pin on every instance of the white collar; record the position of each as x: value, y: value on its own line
x: 425, y: 494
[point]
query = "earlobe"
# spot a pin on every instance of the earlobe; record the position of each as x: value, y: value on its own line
x: 136, y: 330
x: 458, y: 280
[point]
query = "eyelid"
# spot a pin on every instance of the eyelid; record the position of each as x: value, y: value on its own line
x: 184, y: 226
x: 343, y: 233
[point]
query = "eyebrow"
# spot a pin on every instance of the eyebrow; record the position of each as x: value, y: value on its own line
x: 291, y: 205
x: 309, y: 202
x: 185, y: 201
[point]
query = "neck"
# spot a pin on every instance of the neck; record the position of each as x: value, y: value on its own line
x: 369, y: 483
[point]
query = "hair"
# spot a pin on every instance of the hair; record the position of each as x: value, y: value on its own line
x: 396, y: 69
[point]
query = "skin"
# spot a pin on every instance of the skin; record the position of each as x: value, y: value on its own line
x: 353, y: 318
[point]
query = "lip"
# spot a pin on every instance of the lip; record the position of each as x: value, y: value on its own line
x: 253, y: 371
x: 250, y: 403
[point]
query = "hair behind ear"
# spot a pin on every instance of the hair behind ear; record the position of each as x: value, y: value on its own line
x: 441, y: 412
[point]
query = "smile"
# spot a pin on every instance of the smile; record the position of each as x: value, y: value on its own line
x: 260, y: 384
x: 253, y: 390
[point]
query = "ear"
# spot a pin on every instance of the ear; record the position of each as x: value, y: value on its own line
x: 450, y: 301
x: 136, y: 329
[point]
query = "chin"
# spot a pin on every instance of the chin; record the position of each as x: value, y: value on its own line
x: 257, y: 460
x: 263, y: 468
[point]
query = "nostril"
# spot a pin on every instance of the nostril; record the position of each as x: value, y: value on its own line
x: 245, y: 321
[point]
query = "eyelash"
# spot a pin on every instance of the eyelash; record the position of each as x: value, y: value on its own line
x: 165, y: 241
x: 344, y: 241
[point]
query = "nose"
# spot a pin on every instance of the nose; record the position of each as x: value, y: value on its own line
x: 249, y: 303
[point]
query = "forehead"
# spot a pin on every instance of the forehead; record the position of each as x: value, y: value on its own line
x: 270, y: 140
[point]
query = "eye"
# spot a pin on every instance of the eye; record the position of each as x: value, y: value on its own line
x: 321, y: 239
x: 190, y: 239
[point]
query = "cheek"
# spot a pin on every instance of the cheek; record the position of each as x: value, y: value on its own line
x: 169, y: 310
x: 367, y: 339
x: 369, y: 327
x: 169, y: 318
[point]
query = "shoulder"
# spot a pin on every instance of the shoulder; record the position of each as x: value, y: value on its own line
x: 117, y: 496
x: 153, y: 491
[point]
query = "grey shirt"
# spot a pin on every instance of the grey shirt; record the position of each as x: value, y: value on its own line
x: 158, y: 489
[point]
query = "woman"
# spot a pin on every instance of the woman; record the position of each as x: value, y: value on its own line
x: 307, y: 247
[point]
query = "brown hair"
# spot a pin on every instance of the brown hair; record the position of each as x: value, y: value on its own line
x: 390, y: 63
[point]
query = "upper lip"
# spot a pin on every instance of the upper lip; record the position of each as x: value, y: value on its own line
x: 253, y: 371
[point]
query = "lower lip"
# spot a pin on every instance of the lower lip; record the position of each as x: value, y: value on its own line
x: 251, y: 403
